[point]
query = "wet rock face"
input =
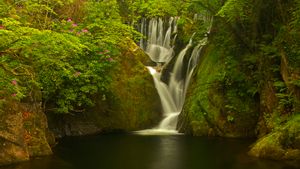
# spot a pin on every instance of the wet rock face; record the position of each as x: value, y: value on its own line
x: 22, y: 132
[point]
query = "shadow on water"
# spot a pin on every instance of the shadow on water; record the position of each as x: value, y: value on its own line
x: 131, y: 151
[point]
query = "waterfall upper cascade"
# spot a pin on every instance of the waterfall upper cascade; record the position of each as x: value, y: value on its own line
x: 159, y: 46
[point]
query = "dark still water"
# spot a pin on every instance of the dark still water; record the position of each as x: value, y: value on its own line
x: 128, y: 151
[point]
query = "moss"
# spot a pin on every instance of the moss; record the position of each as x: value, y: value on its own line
x: 282, y: 143
x: 134, y: 97
x: 197, y: 102
x: 269, y: 147
x: 214, y: 108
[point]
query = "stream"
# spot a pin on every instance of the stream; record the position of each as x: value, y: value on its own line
x: 135, y: 151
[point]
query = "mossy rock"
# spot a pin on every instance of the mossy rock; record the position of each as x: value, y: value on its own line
x: 134, y: 101
x: 281, y: 144
x: 211, y: 108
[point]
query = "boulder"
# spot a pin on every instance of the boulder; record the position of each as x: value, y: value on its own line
x: 23, y: 128
x: 134, y: 99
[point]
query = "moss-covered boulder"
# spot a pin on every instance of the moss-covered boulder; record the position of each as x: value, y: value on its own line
x: 23, y: 130
x: 282, y: 143
x: 213, y: 107
x: 134, y: 101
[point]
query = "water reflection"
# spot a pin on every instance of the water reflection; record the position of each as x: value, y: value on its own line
x: 168, y: 154
x: 151, y: 152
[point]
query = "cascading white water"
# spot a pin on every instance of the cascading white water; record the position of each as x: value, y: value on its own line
x: 159, y: 47
x: 159, y: 44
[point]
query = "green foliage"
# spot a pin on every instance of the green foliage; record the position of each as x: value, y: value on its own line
x: 4, y: 8
x: 160, y: 8
x: 99, y: 11
x: 295, y: 21
x: 37, y: 14
x: 230, y: 118
x: 211, y: 6
x: 132, y: 10
x: 111, y: 35
x: 286, y: 98
x: 287, y: 43
x: 68, y: 71
x: 235, y: 10
x: 14, y: 74
x: 295, y: 82
x: 103, y: 21
x: 71, y: 63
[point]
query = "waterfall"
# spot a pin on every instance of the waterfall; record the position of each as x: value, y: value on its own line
x: 159, y: 46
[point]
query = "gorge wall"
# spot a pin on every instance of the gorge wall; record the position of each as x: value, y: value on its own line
x: 246, y: 82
